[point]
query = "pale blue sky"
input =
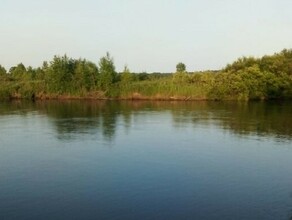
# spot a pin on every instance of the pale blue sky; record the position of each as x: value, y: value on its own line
x: 147, y: 35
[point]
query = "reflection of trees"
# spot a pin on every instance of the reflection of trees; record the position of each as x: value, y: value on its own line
x: 109, y: 114
x: 261, y: 118
x: 16, y: 107
x: 191, y: 113
x: 77, y: 118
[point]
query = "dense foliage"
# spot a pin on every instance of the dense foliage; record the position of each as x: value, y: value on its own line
x: 180, y: 67
x: 269, y: 77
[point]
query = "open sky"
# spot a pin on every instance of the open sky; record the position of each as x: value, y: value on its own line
x: 147, y: 35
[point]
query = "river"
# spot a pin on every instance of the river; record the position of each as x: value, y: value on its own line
x: 145, y: 160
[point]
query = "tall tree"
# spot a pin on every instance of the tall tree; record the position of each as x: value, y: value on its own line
x: 107, y: 72
x: 85, y: 75
x: 60, y: 74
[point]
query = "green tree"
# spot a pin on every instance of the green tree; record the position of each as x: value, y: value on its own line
x: 31, y: 73
x: 2, y: 71
x: 60, y: 74
x: 180, y: 67
x: 241, y: 63
x: 228, y: 86
x: 127, y: 76
x: 254, y: 80
x: 107, y: 72
x: 143, y: 76
x: 41, y: 72
x: 85, y: 75
x: 18, y: 71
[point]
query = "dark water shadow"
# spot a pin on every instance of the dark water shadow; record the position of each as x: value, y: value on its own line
x: 267, y: 119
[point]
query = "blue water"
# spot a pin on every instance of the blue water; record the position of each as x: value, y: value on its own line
x: 145, y: 160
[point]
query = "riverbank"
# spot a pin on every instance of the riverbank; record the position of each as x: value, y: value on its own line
x: 117, y: 93
x: 248, y: 78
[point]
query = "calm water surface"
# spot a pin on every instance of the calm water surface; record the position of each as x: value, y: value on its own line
x: 145, y: 160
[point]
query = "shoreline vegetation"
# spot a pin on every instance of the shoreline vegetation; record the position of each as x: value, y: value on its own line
x: 248, y: 78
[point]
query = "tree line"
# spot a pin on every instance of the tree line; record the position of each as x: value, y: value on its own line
x: 268, y: 77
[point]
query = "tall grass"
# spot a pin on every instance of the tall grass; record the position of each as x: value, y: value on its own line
x: 165, y: 88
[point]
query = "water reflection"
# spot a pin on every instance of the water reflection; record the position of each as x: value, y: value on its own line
x: 181, y: 160
x: 71, y: 118
x: 242, y: 118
